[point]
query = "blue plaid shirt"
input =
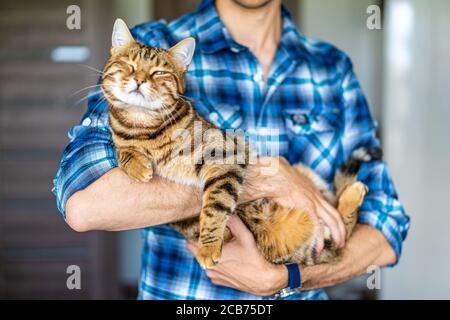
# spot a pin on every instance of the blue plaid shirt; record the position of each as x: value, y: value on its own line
x: 312, y: 111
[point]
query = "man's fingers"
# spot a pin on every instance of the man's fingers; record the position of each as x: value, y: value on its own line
x: 239, y: 229
x: 339, y: 223
x: 192, y: 247
x: 320, y: 241
x: 332, y: 210
x: 332, y: 224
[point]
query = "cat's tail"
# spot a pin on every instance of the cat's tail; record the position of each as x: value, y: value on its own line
x: 348, y: 173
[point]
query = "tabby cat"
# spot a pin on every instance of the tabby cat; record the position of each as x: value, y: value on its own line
x: 144, y: 87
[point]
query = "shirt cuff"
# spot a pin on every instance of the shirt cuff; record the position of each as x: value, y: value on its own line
x: 394, y: 232
x: 80, y: 167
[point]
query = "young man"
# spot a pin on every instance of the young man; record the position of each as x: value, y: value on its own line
x: 252, y: 70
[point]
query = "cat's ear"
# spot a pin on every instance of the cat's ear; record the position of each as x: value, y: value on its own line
x: 183, y: 51
x: 121, y: 36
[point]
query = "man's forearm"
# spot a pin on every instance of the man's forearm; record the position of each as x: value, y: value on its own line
x: 116, y: 202
x: 367, y: 246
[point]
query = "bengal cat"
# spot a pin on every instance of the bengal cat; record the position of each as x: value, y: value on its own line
x: 144, y: 88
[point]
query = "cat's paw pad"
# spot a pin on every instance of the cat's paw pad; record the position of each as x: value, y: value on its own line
x: 352, y: 197
x: 139, y: 171
x: 208, y: 256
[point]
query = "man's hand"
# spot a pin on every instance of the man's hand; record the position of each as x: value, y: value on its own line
x: 242, y: 266
x: 289, y: 188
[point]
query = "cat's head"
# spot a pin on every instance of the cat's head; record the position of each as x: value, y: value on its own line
x: 141, y: 76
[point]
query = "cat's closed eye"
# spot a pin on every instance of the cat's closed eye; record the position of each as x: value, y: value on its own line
x: 131, y: 68
x: 159, y: 73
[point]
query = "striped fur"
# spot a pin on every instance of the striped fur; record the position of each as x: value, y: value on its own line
x: 145, y: 120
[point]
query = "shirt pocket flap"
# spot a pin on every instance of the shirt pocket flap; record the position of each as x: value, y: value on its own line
x: 304, y: 122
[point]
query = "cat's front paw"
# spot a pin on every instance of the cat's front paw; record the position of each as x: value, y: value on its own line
x: 139, y: 171
x: 137, y: 168
x: 208, y: 255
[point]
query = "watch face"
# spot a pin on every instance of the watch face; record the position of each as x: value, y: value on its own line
x: 286, y: 292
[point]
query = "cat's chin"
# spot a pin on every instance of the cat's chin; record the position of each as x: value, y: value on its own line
x: 137, y: 100
x: 149, y: 105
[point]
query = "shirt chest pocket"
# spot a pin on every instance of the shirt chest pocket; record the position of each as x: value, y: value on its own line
x: 303, y: 123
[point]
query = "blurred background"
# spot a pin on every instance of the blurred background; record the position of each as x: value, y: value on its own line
x: 404, y: 69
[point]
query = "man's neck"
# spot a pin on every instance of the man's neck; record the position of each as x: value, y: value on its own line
x: 257, y: 29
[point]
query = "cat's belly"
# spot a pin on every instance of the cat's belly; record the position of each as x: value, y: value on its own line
x: 179, y: 172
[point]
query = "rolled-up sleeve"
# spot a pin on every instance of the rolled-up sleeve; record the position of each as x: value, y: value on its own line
x: 89, y: 155
x: 381, y: 208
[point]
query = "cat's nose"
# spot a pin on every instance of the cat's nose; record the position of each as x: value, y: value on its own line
x: 139, y: 80
x: 139, y: 77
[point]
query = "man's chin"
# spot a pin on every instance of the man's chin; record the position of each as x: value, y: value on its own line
x: 252, y: 4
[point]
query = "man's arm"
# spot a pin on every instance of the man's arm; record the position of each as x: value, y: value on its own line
x: 93, y: 194
x: 383, y: 223
x: 381, y: 208
x: 366, y: 247
x: 241, y: 260
x: 116, y: 202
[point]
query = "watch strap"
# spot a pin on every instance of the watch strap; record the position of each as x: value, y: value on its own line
x: 295, y: 280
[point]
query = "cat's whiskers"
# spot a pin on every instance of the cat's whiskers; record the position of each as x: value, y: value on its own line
x: 91, y: 87
x: 165, y: 107
x: 93, y: 69
x: 103, y: 99
x: 94, y: 93
x: 86, y: 88
x: 184, y: 98
x: 87, y: 97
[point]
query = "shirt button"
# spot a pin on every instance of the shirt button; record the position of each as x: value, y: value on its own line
x: 257, y: 78
x: 86, y: 122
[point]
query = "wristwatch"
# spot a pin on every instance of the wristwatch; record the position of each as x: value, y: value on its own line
x: 294, y: 282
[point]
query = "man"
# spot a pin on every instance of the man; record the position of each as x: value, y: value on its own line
x: 252, y: 70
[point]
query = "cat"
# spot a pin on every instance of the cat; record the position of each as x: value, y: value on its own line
x: 144, y: 89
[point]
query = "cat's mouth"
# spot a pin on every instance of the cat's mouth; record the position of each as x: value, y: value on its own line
x: 137, y: 98
x: 137, y: 92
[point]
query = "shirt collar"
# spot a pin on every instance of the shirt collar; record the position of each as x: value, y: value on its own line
x: 213, y: 36
x: 211, y: 32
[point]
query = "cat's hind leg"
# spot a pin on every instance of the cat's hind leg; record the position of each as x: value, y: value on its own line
x: 348, y: 205
x: 221, y: 188
x: 190, y: 229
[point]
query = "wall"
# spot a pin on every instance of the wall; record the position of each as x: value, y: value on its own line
x: 417, y: 142
x: 134, y: 12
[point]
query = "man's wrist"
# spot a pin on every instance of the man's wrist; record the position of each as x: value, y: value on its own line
x: 280, y: 278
